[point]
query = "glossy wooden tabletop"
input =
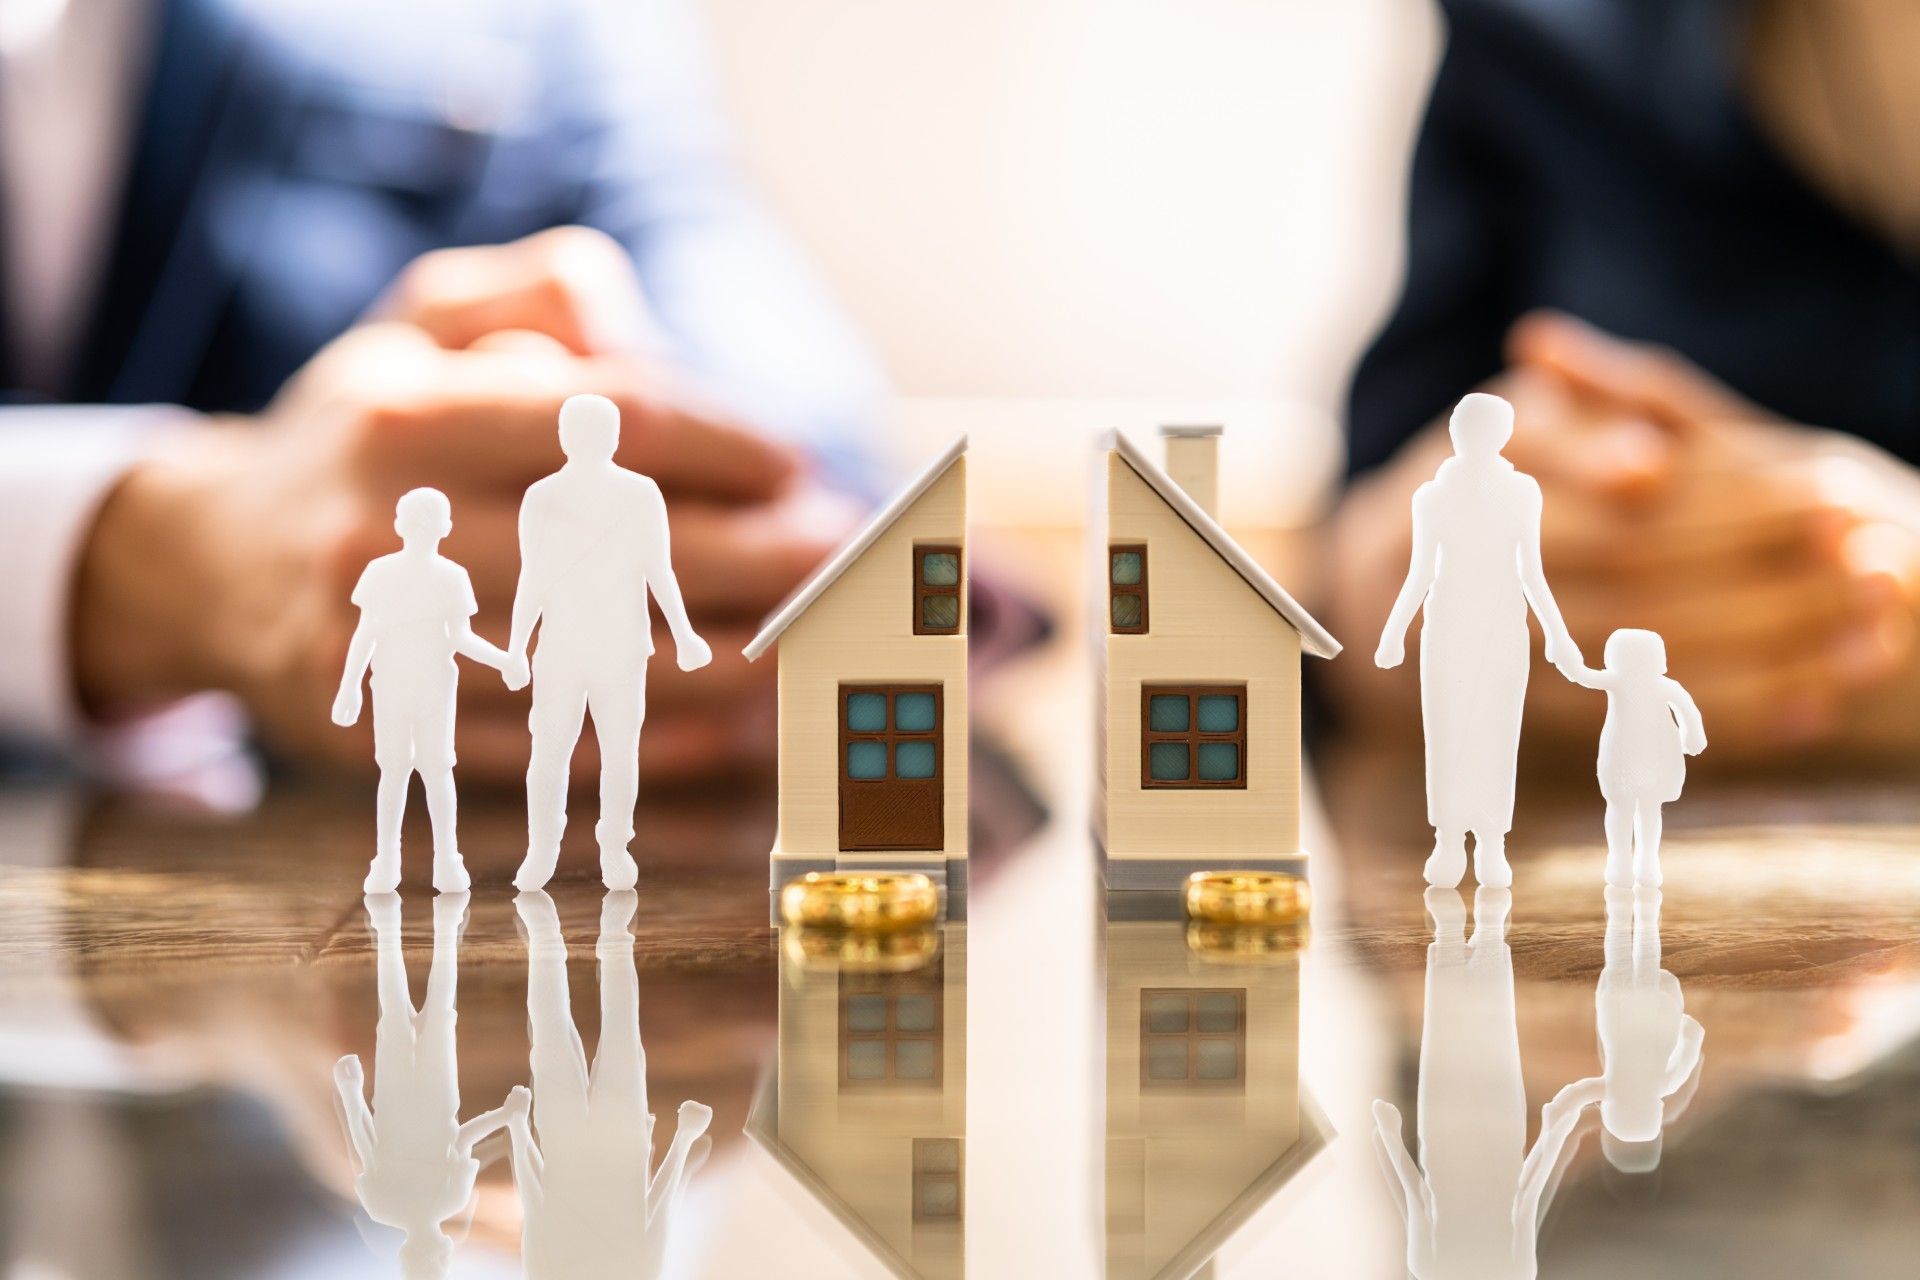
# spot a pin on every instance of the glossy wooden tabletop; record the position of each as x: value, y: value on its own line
x: 176, y: 989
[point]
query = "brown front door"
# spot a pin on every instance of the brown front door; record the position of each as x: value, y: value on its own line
x: 891, y: 767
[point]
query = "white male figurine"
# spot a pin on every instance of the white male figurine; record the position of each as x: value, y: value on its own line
x: 413, y: 1159
x: 1476, y: 569
x: 415, y: 607
x: 594, y: 1206
x: 1651, y: 724
x: 593, y: 540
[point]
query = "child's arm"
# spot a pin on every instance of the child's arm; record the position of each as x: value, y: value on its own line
x: 470, y: 644
x: 1582, y: 674
x: 346, y: 704
x: 350, y: 1086
x: 1693, y: 731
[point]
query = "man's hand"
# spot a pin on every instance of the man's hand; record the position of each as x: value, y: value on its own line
x: 1391, y: 653
x: 264, y: 525
x: 516, y: 672
x: 692, y: 653
x: 1785, y: 589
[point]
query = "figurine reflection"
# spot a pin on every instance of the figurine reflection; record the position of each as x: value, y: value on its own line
x: 1649, y: 1045
x: 414, y: 1162
x: 1475, y: 1200
x: 592, y: 1203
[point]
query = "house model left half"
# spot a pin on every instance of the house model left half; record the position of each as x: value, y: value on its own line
x: 873, y: 693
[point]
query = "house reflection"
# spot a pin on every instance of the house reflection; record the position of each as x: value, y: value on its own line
x: 1205, y: 1118
x: 866, y: 1105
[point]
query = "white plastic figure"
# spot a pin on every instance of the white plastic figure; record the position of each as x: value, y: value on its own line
x: 1652, y: 724
x: 414, y: 610
x: 1474, y: 1202
x: 1476, y: 568
x: 1649, y: 1045
x: 592, y: 1204
x: 413, y: 1158
x: 593, y: 541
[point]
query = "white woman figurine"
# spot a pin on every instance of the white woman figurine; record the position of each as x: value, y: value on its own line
x: 593, y: 541
x: 1476, y: 568
x: 415, y: 607
x: 1651, y: 724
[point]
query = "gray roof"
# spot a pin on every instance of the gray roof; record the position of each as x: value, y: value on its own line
x: 1314, y: 638
x: 855, y: 547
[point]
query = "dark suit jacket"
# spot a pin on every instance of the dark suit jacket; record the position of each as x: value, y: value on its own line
x: 1596, y: 156
x: 289, y: 159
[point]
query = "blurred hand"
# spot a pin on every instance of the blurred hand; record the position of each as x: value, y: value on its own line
x: 516, y: 673
x: 226, y: 561
x: 1758, y: 549
x: 1393, y: 649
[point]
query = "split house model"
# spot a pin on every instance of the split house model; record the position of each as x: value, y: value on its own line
x: 1198, y: 653
x: 873, y: 693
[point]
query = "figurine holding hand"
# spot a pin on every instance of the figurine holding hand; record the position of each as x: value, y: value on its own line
x: 416, y: 608
x: 1652, y: 723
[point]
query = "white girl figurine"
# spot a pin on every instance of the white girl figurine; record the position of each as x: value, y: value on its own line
x: 593, y: 546
x: 414, y: 611
x: 1651, y: 724
x: 1476, y: 569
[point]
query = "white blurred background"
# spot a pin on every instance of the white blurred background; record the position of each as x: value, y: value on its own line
x: 1053, y: 217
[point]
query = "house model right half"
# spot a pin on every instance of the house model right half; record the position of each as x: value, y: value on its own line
x: 1198, y: 654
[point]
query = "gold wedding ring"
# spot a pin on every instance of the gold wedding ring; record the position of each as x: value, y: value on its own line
x: 1246, y: 943
x: 1247, y: 897
x: 838, y: 951
x: 860, y: 902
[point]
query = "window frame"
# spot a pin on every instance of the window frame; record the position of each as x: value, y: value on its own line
x: 1191, y: 736
x: 1115, y: 590
x: 922, y: 590
x: 958, y: 1177
x: 1194, y: 1037
x: 891, y: 736
x: 927, y: 983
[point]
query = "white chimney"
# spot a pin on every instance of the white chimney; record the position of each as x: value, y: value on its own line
x: 1193, y: 460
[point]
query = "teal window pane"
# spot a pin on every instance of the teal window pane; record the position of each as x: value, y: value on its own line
x: 914, y: 760
x: 1216, y: 1012
x: 1166, y: 1014
x: 867, y: 712
x: 913, y: 1060
x: 939, y: 569
x: 1216, y: 1060
x: 867, y: 1013
x: 1167, y: 761
x: 867, y: 1060
x: 1126, y: 611
x: 1219, y: 713
x: 1219, y: 762
x: 939, y: 613
x: 1126, y: 568
x: 913, y: 1013
x: 913, y: 712
x: 1166, y: 1059
x: 866, y: 760
x: 1167, y: 713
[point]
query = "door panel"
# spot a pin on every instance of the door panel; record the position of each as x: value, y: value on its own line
x: 892, y: 767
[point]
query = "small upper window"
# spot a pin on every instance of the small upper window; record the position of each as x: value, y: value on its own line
x: 936, y: 591
x: 1127, y: 589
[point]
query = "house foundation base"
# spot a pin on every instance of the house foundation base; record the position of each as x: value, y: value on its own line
x: 1169, y: 873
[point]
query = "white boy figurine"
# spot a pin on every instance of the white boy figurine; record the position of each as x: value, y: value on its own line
x: 413, y: 1159
x: 414, y: 611
x: 1651, y: 723
x: 593, y: 540
x: 1475, y: 572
